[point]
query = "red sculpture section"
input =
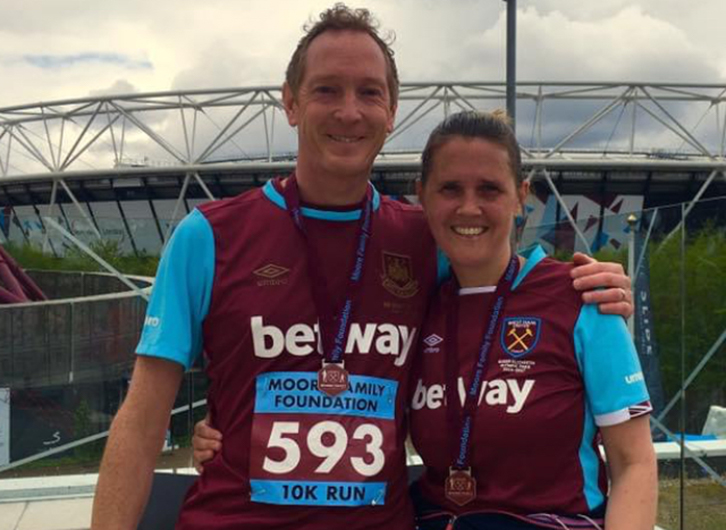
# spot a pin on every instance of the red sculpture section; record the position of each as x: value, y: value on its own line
x: 15, y: 285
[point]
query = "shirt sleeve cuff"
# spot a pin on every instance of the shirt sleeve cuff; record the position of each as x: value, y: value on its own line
x: 623, y: 415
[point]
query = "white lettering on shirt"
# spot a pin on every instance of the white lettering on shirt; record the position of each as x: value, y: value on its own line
x: 269, y: 341
x: 497, y: 392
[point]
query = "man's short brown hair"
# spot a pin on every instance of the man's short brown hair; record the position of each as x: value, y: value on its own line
x: 340, y: 18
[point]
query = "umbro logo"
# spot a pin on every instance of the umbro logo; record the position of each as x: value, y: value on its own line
x: 270, y: 271
x: 271, y: 274
x: 432, y: 340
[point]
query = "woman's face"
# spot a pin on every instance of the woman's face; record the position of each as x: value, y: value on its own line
x: 470, y: 200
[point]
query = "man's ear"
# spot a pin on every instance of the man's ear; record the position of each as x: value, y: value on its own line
x: 392, y: 118
x: 288, y: 100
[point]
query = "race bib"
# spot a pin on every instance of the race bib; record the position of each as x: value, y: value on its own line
x: 312, y: 449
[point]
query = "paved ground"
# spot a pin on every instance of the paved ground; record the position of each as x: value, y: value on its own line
x: 49, y: 503
x: 64, y: 502
x: 68, y: 514
x: 62, y: 514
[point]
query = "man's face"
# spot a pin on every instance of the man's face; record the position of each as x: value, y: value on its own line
x: 343, y: 108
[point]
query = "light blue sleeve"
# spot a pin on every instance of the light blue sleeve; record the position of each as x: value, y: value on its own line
x: 181, y: 294
x: 614, y: 382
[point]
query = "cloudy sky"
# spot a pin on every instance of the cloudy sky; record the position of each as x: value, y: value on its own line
x: 53, y: 49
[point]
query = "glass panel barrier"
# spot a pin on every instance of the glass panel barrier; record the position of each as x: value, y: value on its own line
x: 703, y: 402
x: 65, y: 365
x: 679, y: 282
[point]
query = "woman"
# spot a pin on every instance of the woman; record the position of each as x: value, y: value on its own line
x: 517, y: 379
x: 517, y: 375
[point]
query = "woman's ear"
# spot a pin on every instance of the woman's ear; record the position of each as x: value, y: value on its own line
x: 419, y: 191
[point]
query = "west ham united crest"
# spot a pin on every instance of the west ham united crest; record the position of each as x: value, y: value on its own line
x: 398, y: 276
x: 520, y: 335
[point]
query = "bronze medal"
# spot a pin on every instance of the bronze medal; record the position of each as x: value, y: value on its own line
x: 460, y: 486
x: 333, y: 379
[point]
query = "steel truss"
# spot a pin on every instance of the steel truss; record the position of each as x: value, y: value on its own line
x: 199, y: 135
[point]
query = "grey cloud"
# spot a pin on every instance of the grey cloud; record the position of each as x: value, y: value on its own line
x: 630, y: 45
x: 221, y: 66
x: 70, y: 60
x: 627, y: 45
x: 583, y: 11
x: 121, y: 86
x: 46, y: 16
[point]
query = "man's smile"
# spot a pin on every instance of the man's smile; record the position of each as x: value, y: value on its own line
x: 345, y: 139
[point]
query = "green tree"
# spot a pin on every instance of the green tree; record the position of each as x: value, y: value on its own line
x: 703, y: 271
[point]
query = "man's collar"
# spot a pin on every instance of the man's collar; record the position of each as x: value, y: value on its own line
x: 273, y: 194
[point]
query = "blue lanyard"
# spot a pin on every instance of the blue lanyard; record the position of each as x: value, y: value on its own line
x: 334, y: 325
x: 465, y: 418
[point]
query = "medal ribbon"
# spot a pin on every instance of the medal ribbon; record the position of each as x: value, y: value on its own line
x: 333, y: 342
x: 496, y: 312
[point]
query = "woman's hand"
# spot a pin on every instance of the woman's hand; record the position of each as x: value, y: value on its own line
x: 206, y: 442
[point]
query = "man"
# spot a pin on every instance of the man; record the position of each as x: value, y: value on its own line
x: 264, y: 283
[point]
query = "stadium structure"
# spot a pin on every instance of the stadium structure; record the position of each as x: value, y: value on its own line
x: 126, y: 168
x: 130, y: 166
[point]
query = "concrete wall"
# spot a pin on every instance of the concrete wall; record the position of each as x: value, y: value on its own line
x: 86, y: 332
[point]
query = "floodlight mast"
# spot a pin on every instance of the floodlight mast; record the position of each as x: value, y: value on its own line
x: 512, y: 61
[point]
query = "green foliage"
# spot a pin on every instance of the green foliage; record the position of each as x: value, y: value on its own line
x: 82, y: 420
x: 82, y: 427
x: 606, y: 254
x: 616, y: 256
x: 700, y: 270
x: 74, y: 259
x: 562, y: 255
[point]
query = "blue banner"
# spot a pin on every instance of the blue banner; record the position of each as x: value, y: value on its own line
x: 645, y: 340
x: 297, y: 393
x: 295, y: 492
